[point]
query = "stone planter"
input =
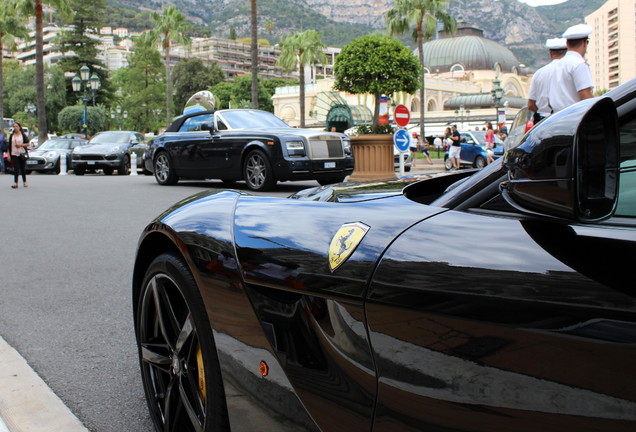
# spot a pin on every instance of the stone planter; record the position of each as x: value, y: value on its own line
x: 373, y: 154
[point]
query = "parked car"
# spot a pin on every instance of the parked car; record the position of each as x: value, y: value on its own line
x: 251, y: 145
x: 109, y: 151
x: 473, y: 151
x: 408, y: 159
x: 497, y: 301
x: 47, y: 157
x: 34, y: 143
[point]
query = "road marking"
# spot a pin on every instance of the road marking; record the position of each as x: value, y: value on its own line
x: 26, y: 402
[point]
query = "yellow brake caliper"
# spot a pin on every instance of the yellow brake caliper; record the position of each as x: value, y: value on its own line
x: 201, y: 371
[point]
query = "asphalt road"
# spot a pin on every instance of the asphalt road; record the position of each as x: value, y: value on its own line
x: 67, y: 245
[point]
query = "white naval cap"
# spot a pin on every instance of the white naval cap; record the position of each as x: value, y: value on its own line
x: 556, y: 44
x: 579, y: 31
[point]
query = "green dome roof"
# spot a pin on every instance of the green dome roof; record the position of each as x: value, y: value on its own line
x: 470, y: 49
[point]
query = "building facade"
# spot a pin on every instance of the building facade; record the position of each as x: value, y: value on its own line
x: 611, y: 53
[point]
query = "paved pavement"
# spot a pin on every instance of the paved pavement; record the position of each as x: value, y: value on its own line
x: 27, y: 404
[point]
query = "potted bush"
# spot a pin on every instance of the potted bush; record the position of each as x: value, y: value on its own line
x: 375, y: 65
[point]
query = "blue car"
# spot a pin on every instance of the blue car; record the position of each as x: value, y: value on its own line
x: 473, y: 151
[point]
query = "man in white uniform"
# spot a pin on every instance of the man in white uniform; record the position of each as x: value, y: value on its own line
x: 572, y: 77
x: 540, y: 85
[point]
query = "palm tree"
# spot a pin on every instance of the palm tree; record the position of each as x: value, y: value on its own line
x: 254, y: 48
x: 297, y: 51
x: 424, y: 16
x: 169, y: 27
x: 11, y: 24
x: 34, y: 8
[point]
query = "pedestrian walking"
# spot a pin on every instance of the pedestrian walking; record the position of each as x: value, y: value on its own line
x: 490, y: 142
x: 18, y: 154
x: 3, y: 152
x: 423, y: 147
x: 538, y: 101
x: 572, y: 80
x: 455, y: 148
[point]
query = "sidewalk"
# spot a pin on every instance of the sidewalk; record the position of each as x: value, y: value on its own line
x: 27, y: 404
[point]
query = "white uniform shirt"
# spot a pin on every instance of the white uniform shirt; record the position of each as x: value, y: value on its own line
x: 571, y: 75
x: 540, y: 86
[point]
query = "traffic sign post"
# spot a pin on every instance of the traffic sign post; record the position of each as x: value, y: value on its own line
x: 402, y: 115
x: 401, y: 140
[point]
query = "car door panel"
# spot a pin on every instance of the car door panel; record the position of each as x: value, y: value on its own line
x: 507, y: 327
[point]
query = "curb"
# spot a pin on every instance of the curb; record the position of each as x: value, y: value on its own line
x: 27, y: 404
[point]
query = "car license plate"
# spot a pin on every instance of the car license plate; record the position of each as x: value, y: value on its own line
x: 330, y: 164
x: 31, y: 162
x: 90, y: 163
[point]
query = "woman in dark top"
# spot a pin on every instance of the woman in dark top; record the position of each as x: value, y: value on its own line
x: 18, y: 153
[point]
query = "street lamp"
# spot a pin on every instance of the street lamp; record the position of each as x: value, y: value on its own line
x: 497, y: 94
x: 91, y: 84
x: 117, y: 115
x: 30, y: 110
x: 460, y: 113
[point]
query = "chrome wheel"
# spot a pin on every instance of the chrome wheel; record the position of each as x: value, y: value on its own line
x: 257, y: 172
x: 163, y: 170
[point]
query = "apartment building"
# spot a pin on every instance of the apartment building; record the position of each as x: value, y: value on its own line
x: 611, y: 53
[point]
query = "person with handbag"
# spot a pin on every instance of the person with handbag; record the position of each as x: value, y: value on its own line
x: 18, y: 153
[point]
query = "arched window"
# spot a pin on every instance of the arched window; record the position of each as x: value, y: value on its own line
x: 426, y: 70
x: 497, y: 68
x: 431, y: 105
x: 457, y: 67
x: 515, y: 70
x: 415, y: 105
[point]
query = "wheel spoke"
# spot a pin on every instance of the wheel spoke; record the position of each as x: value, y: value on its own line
x: 168, y: 323
x: 185, y: 333
x: 150, y: 354
x: 186, y: 397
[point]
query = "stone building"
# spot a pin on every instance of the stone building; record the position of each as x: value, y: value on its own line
x: 462, y: 71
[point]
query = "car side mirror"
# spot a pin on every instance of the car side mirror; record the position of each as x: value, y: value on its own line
x: 567, y: 166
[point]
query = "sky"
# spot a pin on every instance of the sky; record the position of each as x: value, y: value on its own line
x: 542, y: 2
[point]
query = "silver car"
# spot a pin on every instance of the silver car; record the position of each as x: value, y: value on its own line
x: 47, y: 157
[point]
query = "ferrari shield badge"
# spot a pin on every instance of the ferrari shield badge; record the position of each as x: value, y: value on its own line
x: 345, y: 242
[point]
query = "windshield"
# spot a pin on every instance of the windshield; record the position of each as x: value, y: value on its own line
x: 481, y: 137
x: 54, y: 145
x: 111, y: 138
x: 251, y: 119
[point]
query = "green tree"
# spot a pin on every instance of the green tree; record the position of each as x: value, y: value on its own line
x: 170, y: 27
x: 11, y: 24
x: 232, y: 33
x: 34, y: 8
x: 142, y: 85
x: 79, y: 48
x: 423, y: 15
x: 223, y: 93
x: 376, y: 65
x: 243, y: 91
x: 70, y: 119
x: 298, y: 51
x: 191, y: 76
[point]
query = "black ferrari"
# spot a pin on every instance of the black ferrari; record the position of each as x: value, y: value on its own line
x: 496, y: 300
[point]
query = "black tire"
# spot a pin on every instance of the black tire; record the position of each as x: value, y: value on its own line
x: 330, y: 180
x: 480, y: 162
x: 179, y: 365
x: 164, y: 171
x: 124, y: 168
x: 108, y: 171
x: 79, y: 170
x: 448, y: 164
x: 257, y: 172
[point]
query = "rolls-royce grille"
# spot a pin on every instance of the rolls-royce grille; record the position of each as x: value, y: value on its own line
x: 325, y: 147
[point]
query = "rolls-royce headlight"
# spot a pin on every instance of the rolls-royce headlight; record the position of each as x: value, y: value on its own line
x: 295, y: 148
x: 346, y: 145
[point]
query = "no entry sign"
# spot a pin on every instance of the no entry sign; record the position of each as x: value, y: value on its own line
x: 402, y: 115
